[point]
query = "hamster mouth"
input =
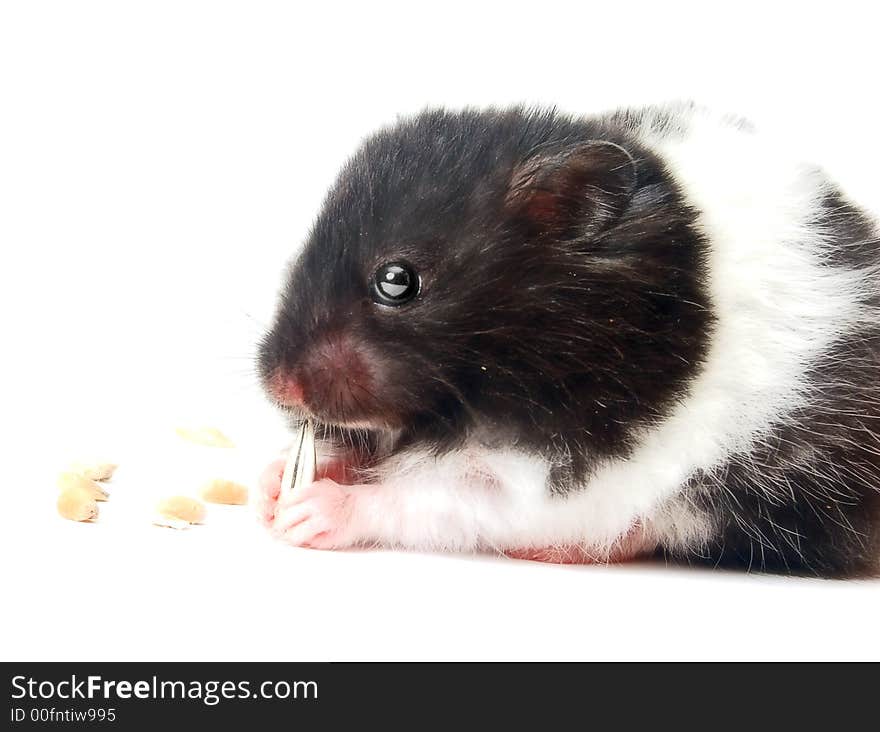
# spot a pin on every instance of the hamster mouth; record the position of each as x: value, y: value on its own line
x: 366, y: 442
x: 299, y: 414
x: 364, y: 435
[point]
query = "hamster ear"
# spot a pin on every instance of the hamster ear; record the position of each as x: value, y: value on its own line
x: 576, y: 192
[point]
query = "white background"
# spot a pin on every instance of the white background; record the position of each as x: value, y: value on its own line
x: 160, y: 161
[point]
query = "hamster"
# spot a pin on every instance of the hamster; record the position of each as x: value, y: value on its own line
x: 647, y: 333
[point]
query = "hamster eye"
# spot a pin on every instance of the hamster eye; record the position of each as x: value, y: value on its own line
x: 394, y: 283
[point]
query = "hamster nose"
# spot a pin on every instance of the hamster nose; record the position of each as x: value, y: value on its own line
x: 287, y: 390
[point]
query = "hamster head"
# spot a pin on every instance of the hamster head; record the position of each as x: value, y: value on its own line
x: 493, y: 272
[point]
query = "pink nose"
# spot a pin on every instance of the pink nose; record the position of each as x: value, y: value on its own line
x: 287, y: 390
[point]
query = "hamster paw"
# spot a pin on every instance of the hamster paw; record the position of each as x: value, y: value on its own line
x: 554, y: 555
x: 269, y: 485
x: 268, y: 490
x: 317, y: 517
x: 634, y: 544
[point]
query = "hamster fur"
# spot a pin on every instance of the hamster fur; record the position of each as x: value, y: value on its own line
x: 642, y: 333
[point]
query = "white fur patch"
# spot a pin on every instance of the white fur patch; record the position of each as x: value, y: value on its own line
x: 778, y: 309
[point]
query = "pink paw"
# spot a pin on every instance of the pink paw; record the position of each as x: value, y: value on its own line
x: 269, y: 485
x: 632, y: 545
x: 268, y: 489
x: 554, y: 555
x: 318, y: 516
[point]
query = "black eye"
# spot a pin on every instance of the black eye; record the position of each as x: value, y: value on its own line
x: 394, y: 283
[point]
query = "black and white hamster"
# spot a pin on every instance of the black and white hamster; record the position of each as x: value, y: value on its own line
x: 585, y: 339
